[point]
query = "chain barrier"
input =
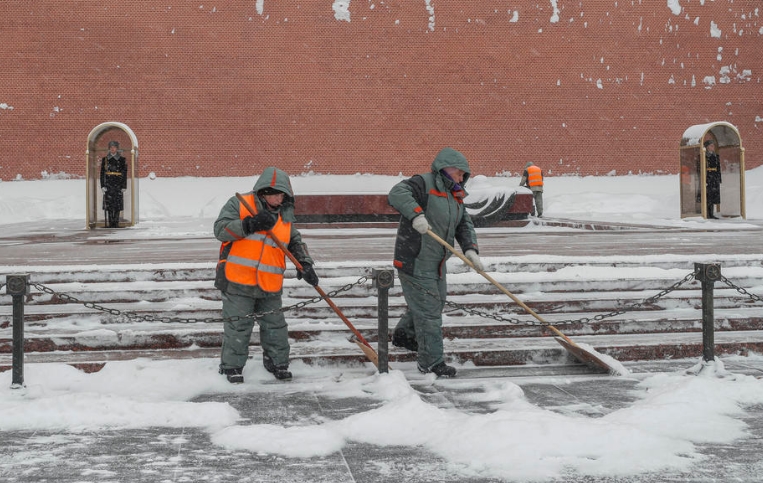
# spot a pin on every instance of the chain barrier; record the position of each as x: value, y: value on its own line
x: 150, y: 318
x: 363, y: 280
x: 583, y: 320
x: 755, y: 298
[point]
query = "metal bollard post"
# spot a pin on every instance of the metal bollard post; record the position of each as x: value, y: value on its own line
x: 383, y: 280
x: 708, y: 274
x: 17, y: 286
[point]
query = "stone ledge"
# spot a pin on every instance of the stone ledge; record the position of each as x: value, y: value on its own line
x: 511, y: 210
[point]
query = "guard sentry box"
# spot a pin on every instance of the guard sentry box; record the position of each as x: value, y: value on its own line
x: 97, y: 148
x: 693, y: 171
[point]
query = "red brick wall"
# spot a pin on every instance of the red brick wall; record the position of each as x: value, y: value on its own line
x: 221, y: 89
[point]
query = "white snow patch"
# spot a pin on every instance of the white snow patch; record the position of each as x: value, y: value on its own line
x: 341, y: 10
x: 674, y: 7
x: 555, y: 15
x: 715, y: 31
x: 430, y: 10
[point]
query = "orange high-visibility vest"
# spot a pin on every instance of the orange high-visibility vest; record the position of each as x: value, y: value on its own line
x: 256, y: 259
x: 534, y: 176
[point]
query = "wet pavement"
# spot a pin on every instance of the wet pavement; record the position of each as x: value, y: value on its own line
x: 68, y: 243
x: 189, y: 455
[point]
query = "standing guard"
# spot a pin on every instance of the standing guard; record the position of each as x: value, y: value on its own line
x: 712, y: 177
x: 113, y: 184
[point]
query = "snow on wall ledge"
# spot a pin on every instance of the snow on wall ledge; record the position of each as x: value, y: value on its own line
x: 347, y: 87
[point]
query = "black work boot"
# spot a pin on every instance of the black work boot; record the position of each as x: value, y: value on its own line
x: 440, y: 370
x: 401, y: 339
x: 281, y: 372
x: 235, y: 375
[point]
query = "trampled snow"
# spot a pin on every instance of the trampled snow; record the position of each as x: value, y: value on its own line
x: 673, y: 412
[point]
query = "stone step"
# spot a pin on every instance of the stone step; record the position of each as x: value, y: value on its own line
x: 175, y: 335
x: 507, y: 265
x: 189, y: 304
x: 570, y: 278
x: 176, y: 310
x: 531, y: 351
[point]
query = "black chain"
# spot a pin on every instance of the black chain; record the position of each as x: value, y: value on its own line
x: 742, y: 291
x: 635, y: 305
x: 362, y: 280
x: 583, y: 320
x: 150, y: 318
x: 454, y: 306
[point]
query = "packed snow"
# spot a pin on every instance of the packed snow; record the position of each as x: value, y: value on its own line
x: 673, y: 412
x: 639, y: 199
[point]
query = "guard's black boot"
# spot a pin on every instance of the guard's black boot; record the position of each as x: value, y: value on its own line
x: 440, y: 370
x: 280, y: 372
x: 235, y: 375
x: 401, y: 339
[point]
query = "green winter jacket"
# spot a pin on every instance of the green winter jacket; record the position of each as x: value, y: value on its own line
x: 434, y: 195
x: 228, y: 228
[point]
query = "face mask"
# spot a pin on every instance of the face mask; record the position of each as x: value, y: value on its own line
x: 456, y: 186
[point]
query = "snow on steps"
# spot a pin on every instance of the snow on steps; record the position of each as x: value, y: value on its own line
x: 566, y: 295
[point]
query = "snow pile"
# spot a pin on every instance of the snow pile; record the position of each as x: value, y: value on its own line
x: 673, y: 413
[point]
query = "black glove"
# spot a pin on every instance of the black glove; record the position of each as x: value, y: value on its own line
x: 262, y: 221
x: 308, y: 274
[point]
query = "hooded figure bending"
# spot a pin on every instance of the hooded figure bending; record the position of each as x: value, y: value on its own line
x: 435, y: 201
x: 250, y: 273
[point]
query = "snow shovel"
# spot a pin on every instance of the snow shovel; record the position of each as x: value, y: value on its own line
x: 583, y: 355
x: 358, y: 338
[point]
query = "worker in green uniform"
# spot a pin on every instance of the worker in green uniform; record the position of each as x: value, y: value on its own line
x: 435, y: 201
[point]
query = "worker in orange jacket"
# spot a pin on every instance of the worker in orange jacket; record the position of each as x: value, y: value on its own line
x: 533, y: 179
x: 250, y: 273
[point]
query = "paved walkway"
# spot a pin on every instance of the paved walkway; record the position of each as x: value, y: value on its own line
x: 188, y: 455
x: 68, y: 243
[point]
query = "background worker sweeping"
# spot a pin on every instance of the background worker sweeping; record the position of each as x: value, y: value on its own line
x: 433, y: 201
x: 251, y: 270
x: 533, y: 179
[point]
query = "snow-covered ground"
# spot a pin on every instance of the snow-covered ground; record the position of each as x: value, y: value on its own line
x: 672, y: 415
x: 625, y: 199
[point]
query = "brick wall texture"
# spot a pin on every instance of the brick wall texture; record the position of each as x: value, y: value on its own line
x: 369, y: 86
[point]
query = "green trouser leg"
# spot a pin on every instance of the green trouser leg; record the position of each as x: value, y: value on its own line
x: 538, y: 197
x: 274, y: 332
x: 406, y: 324
x: 426, y: 299
x: 236, y: 333
x: 274, y: 336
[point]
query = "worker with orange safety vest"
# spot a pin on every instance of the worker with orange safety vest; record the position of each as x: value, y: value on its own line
x: 533, y: 179
x: 250, y: 273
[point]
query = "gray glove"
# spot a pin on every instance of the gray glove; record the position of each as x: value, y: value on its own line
x: 472, y: 256
x: 420, y: 224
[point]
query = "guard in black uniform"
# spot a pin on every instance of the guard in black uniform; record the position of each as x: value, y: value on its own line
x: 113, y: 184
x: 712, y: 177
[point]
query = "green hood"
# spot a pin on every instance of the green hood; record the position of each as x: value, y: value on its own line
x: 450, y: 157
x: 277, y: 179
x: 274, y: 178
